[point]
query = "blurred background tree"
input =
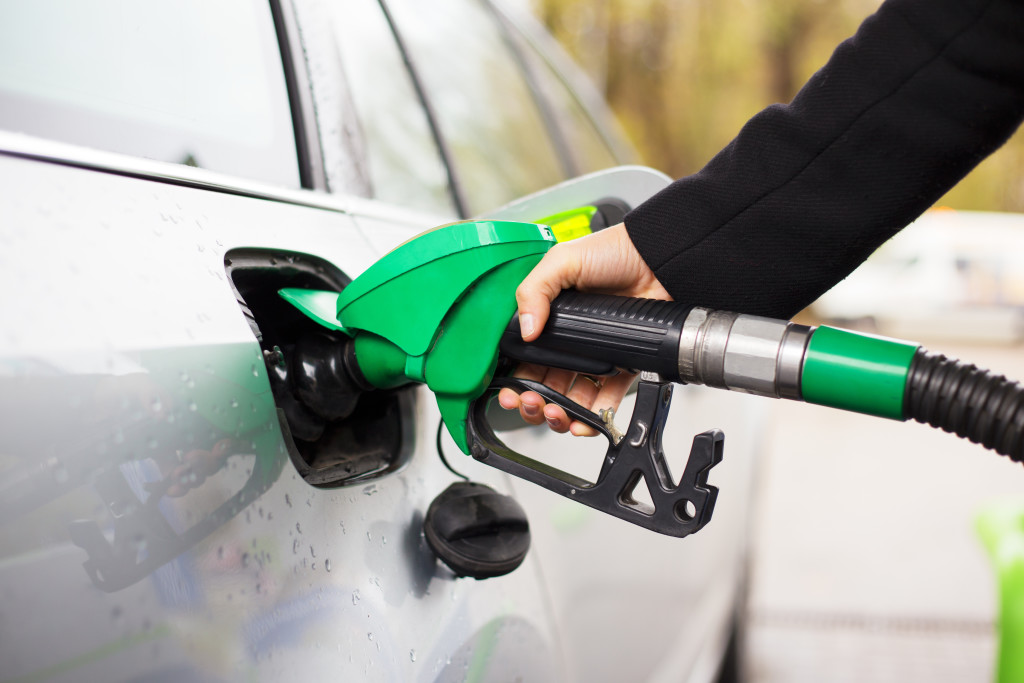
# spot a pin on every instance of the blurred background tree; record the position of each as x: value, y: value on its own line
x: 684, y: 75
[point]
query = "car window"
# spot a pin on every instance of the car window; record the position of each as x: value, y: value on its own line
x: 589, y: 150
x: 484, y: 106
x: 190, y: 82
x: 405, y: 165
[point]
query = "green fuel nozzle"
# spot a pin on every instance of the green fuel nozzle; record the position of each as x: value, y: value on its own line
x: 440, y: 310
x: 433, y: 310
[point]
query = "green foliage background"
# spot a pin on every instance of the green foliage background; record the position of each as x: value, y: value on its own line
x: 684, y: 75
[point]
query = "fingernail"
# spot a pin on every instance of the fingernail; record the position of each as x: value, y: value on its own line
x: 526, y: 325
x: 552, y: 421
x: 530, y: 409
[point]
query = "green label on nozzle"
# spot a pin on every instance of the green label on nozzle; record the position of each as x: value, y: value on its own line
x: 858, y: 372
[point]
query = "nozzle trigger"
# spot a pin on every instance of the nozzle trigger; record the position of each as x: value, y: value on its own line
x: 679, y: 509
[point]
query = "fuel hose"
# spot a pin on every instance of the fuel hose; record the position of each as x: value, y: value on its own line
x: 598, y: 334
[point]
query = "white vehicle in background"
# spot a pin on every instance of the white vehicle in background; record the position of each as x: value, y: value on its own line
x: 166, y: 511
x: 955, y: 275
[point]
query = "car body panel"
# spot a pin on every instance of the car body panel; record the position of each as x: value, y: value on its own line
x: 116, y: 363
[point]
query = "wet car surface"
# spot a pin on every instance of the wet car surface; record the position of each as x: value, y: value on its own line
x: 165, y: 514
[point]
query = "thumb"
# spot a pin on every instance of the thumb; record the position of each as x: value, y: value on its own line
x: 556, y: 271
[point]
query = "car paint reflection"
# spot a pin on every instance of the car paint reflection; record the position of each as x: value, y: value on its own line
x: 174, y: 445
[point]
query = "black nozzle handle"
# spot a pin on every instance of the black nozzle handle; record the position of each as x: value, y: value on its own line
x: 600, y: 334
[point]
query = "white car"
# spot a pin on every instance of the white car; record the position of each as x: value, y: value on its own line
x: 166, y: 512
x: 952, y: 275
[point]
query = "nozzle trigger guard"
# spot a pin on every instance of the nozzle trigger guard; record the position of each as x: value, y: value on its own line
x: 679, y: 509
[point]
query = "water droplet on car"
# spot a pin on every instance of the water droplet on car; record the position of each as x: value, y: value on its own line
x: 295, y: 547
x: 192, y: 406
x: 412, y: 655
x: 298, y: 528
x: 370, y: 490
x: 369, y: 636
x: 356, y: 597
x: 287, y: 500
x: 313, y: 566
x: 327, y: 564
x: 60, y: 473
x: 140, y: 543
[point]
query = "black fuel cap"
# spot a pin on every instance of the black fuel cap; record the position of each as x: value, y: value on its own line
x: 477, y: 531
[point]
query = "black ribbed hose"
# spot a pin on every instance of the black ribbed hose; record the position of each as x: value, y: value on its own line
x: 967, y: 401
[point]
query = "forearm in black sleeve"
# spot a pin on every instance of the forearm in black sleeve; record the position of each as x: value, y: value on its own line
x: 902, y: 111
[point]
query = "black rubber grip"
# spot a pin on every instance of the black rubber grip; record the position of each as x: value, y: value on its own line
x: 599, y: 334
x: 968, y: 401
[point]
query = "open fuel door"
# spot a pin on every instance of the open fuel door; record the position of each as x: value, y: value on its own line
x: 613, y: 192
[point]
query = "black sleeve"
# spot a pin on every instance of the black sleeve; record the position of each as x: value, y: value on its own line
x: 902, y: 111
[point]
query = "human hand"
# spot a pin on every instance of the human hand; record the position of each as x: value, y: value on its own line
x: 604, y: 262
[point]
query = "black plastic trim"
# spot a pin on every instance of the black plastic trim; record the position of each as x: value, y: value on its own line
x: 454, y: 185
x: 552, y: 121
x: 300, y: 101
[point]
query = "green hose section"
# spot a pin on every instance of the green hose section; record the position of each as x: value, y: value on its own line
x: 857, y: 372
